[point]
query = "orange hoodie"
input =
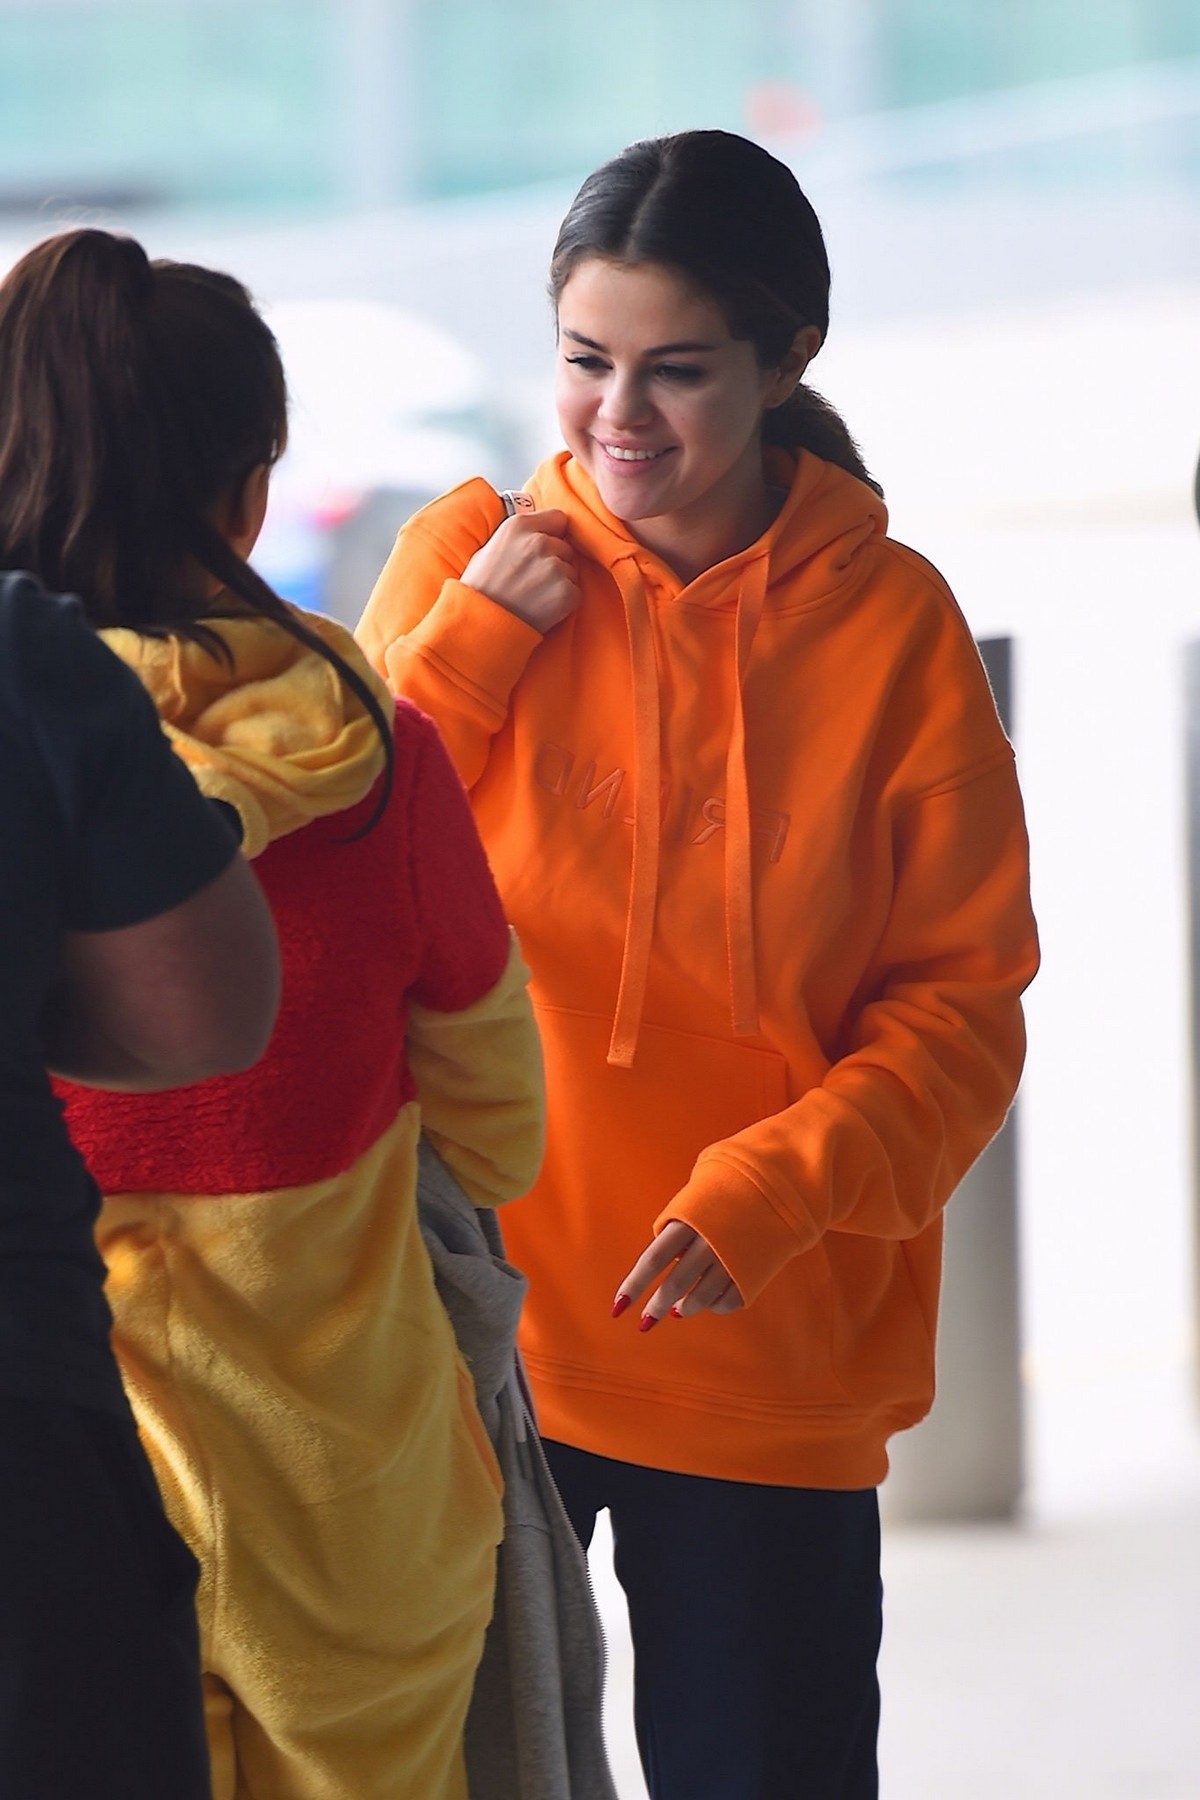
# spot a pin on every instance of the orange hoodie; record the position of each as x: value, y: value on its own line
x: 762, y: 841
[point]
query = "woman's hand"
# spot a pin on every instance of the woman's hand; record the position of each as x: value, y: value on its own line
x: 698, y: 1281
x: 529, y: 567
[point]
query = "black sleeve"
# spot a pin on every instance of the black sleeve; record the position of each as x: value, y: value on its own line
x: 139, y: 836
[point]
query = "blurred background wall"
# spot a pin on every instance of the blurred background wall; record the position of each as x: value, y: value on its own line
x: 1010, y: 190
x: 306, y: 105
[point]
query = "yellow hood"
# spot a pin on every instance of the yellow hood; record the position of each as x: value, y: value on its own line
x: 275, y: 732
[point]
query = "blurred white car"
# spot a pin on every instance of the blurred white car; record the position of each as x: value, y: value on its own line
x: 386, y: 411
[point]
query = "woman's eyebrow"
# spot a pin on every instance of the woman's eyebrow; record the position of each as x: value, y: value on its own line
x: 588, y: 343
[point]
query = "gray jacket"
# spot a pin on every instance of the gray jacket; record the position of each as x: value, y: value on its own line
x: 534, y: 1730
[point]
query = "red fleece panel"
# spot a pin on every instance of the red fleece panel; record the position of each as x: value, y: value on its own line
x: 409, y: 910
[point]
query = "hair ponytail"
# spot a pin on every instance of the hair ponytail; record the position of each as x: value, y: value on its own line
x: 807, y: 421
x: 74, y: 427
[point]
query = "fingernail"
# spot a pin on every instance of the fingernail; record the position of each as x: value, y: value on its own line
x: 647, y: 1322
x: 619, y: 1305
x: 675, y: 1313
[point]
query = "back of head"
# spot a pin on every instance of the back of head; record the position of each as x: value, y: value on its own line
x: 137, y: 397
x: 732, y: 219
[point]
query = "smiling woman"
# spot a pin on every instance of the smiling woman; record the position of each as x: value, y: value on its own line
x: 750, y: 808
x: 663, y: 407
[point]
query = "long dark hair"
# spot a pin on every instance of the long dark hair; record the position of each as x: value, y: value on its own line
x: 136, y: 397
x: 731, y: 218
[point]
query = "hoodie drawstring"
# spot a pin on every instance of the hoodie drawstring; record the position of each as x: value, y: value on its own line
x: 739, y: 874
x: 647, y: 818
x: 826, y: 521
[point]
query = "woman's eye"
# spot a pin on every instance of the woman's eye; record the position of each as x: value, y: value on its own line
x: 583, y: 361
x: 679, y: 372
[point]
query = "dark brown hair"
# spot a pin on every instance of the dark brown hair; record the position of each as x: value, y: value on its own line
x: 732, y: 219
x: 136, y: 397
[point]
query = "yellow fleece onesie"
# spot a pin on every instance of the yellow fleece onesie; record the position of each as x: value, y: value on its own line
x: 293, y: 1372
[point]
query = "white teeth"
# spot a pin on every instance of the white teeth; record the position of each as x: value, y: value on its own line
x: 632, y: 455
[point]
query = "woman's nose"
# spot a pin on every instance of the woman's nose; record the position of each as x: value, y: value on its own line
x: 626, y: 402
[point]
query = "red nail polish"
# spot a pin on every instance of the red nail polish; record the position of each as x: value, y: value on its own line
x: 647, y: 1322
x: 619, y: 1305
x: 675, y: 1313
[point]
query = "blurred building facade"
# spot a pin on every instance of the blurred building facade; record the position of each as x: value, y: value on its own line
x: 323, y: 105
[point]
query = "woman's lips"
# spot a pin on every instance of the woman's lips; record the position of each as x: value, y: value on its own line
x: 628, y: 456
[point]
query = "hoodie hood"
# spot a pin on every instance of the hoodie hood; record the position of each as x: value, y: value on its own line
x: 820, y: 542
x: 274, y: 731
x: 826, y: 521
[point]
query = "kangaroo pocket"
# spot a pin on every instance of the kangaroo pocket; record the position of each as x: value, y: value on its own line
x: 627, y: 1139
x: 620, y: 1143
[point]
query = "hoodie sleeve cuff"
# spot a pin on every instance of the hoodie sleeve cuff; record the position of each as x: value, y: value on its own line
x: 738, y: 1220
x: 478, y: 645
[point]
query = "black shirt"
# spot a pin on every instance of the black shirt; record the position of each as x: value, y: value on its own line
x: 100, y: 826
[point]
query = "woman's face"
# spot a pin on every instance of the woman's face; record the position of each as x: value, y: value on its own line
x: 663, y: 408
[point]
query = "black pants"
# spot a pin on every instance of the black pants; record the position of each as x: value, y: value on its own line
x: 99, y: 1655
x: 756, y: 1617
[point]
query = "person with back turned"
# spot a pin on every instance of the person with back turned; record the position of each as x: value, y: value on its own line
x: 136, y: 952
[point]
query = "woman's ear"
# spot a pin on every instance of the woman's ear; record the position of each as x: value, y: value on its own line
x: 240, y: 518
x: 804, y: 347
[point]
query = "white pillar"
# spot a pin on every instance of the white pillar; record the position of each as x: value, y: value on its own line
x: 378, y: 77
x: 836, y: 48
x: 967, y: 1459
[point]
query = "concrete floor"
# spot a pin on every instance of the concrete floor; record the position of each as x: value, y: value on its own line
x: 1042, y: 1662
